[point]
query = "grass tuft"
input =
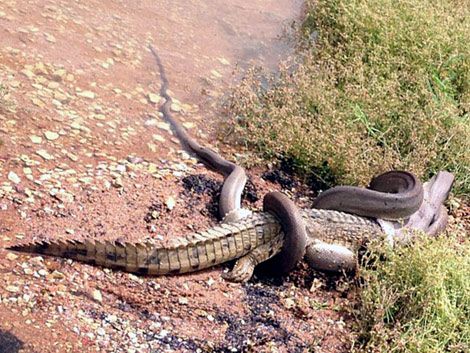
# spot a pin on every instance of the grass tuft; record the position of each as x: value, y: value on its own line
x: 418, y: 300
x: 383, y: 84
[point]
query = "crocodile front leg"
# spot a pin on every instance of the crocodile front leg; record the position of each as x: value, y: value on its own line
x: 245, y: 265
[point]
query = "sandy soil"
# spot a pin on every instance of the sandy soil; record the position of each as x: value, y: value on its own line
x: 85, y: 154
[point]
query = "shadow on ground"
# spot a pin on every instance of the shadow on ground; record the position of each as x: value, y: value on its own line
x: 9, y: 343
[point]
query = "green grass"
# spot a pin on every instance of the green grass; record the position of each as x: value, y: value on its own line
x: 385, y: 86
x: 418, y: 300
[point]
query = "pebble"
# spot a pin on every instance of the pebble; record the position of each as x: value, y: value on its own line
x: 12, y: 289
x: 51, y: 135
x: 163, y: 333
x: 154, y: 98
x: 175, y: 107
x: 49, y: 37
x: 216, y: 74
x: 35, y: 139
x: 121, y: 168
x: 151, y: 122
x: 183, y: 301
x: 86, y: 180
x: 164, y: 126
x: 158, y: 138
x: 170, y: 202
x: 64, y: 196
x: 289, y: 303
x: 155, y: 214
x: 11, y: 257
x: 134, y: 159
x: 188, y: 125
x: 86, y: 94
x: 111, y: 318
x: 97, y: 296
x: 117, y: 183
x: 44, y: 154
x: 72, y: 157
x: 14, y: 178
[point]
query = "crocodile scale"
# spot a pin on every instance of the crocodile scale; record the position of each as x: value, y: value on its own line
x: 219, y: 244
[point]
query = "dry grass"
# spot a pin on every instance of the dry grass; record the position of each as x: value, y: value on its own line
x: 385, y: 86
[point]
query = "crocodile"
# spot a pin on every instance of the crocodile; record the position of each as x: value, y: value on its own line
x: 251, y: 240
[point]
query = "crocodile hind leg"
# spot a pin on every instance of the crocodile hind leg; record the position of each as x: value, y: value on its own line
x: 245, y: 265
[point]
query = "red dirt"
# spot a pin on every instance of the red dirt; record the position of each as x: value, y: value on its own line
x: 84, y: 154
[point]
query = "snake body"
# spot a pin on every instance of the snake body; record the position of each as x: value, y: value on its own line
x: 235, y: 176
x: 392, y: 195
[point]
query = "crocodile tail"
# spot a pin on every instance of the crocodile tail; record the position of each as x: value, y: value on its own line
x: 142, y: 258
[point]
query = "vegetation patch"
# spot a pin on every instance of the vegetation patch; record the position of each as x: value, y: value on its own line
x: 383, y: 84
x: 418, y: 300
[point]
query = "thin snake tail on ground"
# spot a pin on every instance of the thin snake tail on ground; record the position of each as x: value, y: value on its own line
x: 235, y: 176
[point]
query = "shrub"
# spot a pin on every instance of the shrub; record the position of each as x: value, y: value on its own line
x: 418, y: 300
x: 383, y: 84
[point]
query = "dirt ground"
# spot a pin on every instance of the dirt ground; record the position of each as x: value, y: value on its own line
x: 85, y: 154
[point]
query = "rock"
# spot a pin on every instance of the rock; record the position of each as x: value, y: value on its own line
x: 49, y: 37
x: 154, y: 98
x: 155, y: 214
x: 27, y: 171
x: 86, y: 180
x: 64, y: 196
x: 86, y: 94
x: 216, y: 74
x: 35, y: 139
x: 76, y: 125
x: 62, y: 98
x: 117, y: 183
x: 58, y: 75
x: 175, y: 107
x: 121, y: 168
x: 57, y: 275
x: 170, y: 202
x: 135, y: 160
x: 51, y: 135
x: 223, y: 61
x: 151, y: 122
x: 164, y: 126
x: 28, y: 73
x: 11, y: 257
x: 14, y: 178
x: 97, y: 296
x: 72, y: 157
x: 289, y: 303
x: 183, y: 301
x: 12, y: 289
x: 111, y: 318
x: 188, y: 125
x: 44, y: 154
x: 158, y: 138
